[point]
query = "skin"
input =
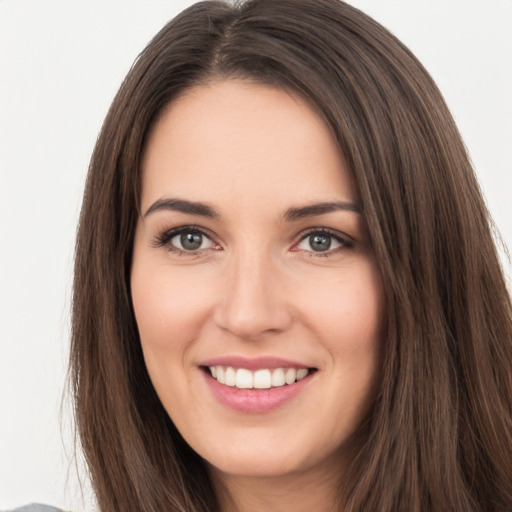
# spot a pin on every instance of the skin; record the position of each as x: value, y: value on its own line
x: 257, y: 288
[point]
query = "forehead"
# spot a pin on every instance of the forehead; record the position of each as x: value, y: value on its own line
x: 235, y: 140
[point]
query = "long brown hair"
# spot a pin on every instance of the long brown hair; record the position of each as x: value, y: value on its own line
x: 440, y: 434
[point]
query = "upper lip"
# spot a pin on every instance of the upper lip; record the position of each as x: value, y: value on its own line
x: 257, y: 363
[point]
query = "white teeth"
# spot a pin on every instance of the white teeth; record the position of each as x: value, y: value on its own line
x: 230, y: 377
x: 259, y: 379
x: 290, y: 375
x: 262, y: 379
x: 302, y: 373
x: 278, y: 378
x: 243, y: 379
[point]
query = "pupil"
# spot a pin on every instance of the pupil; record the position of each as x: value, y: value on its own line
x: 320, y: 242
x: 191, y: 241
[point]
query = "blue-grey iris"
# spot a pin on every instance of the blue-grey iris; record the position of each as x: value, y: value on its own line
x: 319, y: 242
x: 191, y: 241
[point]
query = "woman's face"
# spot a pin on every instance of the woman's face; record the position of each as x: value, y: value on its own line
x: 256, y: 294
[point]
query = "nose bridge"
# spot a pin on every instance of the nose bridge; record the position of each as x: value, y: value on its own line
x: 253, y: 301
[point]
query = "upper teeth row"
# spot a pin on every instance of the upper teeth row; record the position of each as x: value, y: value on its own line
x: 259, y: 379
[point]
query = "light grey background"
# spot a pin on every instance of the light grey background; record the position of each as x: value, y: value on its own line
x: 61, y: 63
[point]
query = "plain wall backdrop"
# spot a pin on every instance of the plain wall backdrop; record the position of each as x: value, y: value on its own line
x: 61, y: 63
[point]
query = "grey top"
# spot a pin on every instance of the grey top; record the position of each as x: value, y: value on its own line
x: 34, y: 507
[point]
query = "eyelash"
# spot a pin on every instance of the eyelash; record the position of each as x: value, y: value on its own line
x: 164, y: 239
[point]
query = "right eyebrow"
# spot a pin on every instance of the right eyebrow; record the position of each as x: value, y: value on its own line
x: 183, y: 206
x: 313, y: 210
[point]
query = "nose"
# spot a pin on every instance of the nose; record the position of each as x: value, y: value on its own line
x: 253, y: 301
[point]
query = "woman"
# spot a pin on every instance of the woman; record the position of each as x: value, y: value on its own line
x: 287, y: 293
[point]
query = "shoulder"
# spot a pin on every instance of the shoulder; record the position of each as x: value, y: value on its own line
x: 35, y: 507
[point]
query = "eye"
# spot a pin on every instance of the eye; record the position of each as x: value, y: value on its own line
x: 185, y: 240
x: 321, y: 241
x: 191, y: 241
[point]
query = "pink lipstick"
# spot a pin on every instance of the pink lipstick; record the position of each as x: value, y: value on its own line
x: 255, y: 385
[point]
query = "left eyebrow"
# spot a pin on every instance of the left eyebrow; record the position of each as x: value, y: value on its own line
x: 183, y: 206
x: 312, y: 210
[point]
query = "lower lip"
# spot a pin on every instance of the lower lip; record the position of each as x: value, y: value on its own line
x: 255, y: 401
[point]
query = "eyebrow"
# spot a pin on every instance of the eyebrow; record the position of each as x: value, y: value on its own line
x: 293, y: 214
x: 183, y: 206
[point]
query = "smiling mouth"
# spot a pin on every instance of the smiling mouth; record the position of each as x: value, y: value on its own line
x: 242, y: 378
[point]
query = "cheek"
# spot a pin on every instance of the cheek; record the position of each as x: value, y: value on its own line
x: 170, y: 313
x: 347, y: 315
x: 347, y: 311
x: 169, y: 307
